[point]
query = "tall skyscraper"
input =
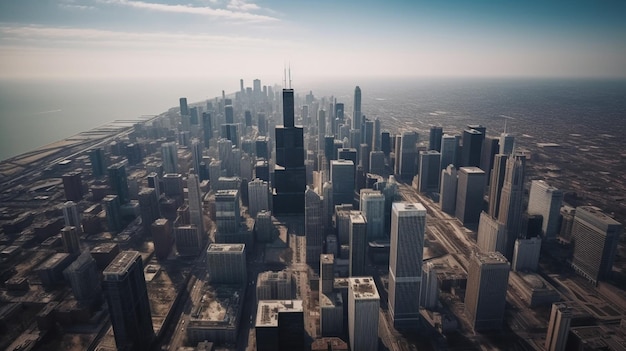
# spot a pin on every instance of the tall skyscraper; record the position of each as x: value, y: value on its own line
x: 342, y: 178
x: 148, y: 208
x: 184, y: 109
x: 119, y: 182
x: 169, y: 157
x: 485, y: 297
x: 491, y: 234
x: 496, y: 183
x: 449, y: 145
x: 229, y: 114
x: 226, y: 263
x: 98, y: 162
x: 71, y: 216
x: 408, y: 222
x: 321, y: 129
x: 507, y: 144
x: 447, y: 193
x: 357, y: 119
x: 258, y: 196
x: 327, y: 273
x: 84, y: 278
x: 127, y: 297
x: 429, y: 171
x: 472, y: 148
x: 377, y: 163
x: 71, y: 240
x: 196, y: 215
x: 313, y: 227
x: 526, y: 254
x: 227, y: 216
x: 558, y: 327
x: 363, y: 305
x: 546, y: 200
x: 113, y: 215
x: 408, y: 155
x: 429, y: 294
x: 289, y: 172
x: 162, y: 237
x: 595, y: 237
x: 434, y: 142
x: 489, y: 151
x: 73, y: 186
x: 469, y: 195
x: 510, y: 212
x: 207, y: 128
x: 196, y: 154
x: 358, y: 244
x: 372, y: 205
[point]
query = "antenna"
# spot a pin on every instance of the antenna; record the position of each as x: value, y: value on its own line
x: 505, y: 125
x: 290, y: 75
x: 284, y: 75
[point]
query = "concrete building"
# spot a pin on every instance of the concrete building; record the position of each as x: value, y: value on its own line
x: 127, y: 297
x: 407, y: 153
x: 195, y: 195
x: 71, y: 215
x: 469, y: 195
x: 188, y: 240
x: 169, y: 157
x: 429, y: 294
x: 279, y: 325
x: 558, y: 327
x: 363, y: 306
x: 595, y: 236
x: 71, y: 240
x: 227, y: 213
x: 430, y: 167
x: 546, y: 200
x: 258, y: 197
x: 327, y: 274
x: 526, y: 254
x: 342, y: 178
x: 491, y: 234
x: 275, y: 286
x: 331, y: 314
x: 447, y: 194
x: 84, y: 278
x: 358, y: 243
x: 372, y: 205
x: 377, y: 162
x: 226, y: 263
x: 148, y: 208
x: 313, y: 229
x: 216, y: 315
x: 73, y: 186
x: 449, y: 146
x: 511, y: 199
x: 263, y: 227
x: 485, y: 297
x: 408, y: 223
x: 162, y: 237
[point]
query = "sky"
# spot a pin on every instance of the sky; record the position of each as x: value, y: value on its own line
x: 111, y: 39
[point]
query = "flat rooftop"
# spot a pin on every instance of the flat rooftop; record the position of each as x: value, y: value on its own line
x: 409, y: 208
x: 268, y: 310
x: 363, y: 288
x: 121, y: 263
x: 54, y: 260
x: 226, y: 248
x: 218, y: 307
x: 472, y: 170
x: 491, y: 258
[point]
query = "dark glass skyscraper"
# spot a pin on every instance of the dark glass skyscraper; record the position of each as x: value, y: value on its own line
x: 119, y: 182
x: 357, y: 120
x: 290, y: 172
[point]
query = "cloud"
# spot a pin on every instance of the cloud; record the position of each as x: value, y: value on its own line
x: 236, y: 10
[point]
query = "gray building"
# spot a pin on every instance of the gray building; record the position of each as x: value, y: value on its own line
x: 342, y: 178
x: 407, y: 155
x: 226, y: 263
x: 84, y: 278
x: 511, y: 200
x: 363, y: 306
x: 485, y: 297
x: 358, y: 243
x: 227, y: 215
x: 447, y: 194
x: 258, y: 197
x: 558, y: 327
x: 469, y: 195
x: 275, y: 286
x: 491, y: 234
x: 372, y: 205
x: 526, y: 254
x: 546, y: 200
x: 313, y: 228
x: 408, y: 222
x: 430, y: 166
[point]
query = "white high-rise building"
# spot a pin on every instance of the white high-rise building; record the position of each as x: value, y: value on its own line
x: 258, y: 197
x: 408, y: 221
x: 491, y: 234
x: 558, y: 327
x: 546, y: 200
x: 447, y: 194
x: 363, y: 306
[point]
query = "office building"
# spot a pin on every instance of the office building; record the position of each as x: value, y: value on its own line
x: 313, y: 229
x: 491, y: 234
x: 227, y: 213
x: 429, y: 171
x: 127, y: 297
x: 275, y: 286
x: 196, y: 214
x: 507, y: 144
x: 372, y: 205
x: 226, y: 263
x: 196, y: 154
x: 558, y: 327
x: 434, y: 142
x: 230, y: 131
x: 408, y: 223
x: 71, y: 216
x: 407, y: 156
x: 496, y: 183
x: 595, y: 236
x: 207, y: 128
x: 385, y: 143
x: 358, y: 244
x: 377, y: 163
x: 327, y: 273
x: 429, y: 294
x: 162, y: 238
x: 184, y: 110
x: 510, y: 212
x: 489, y: 150
x: 289, y: 172
x: 447, y: 193
x: 229, y: 114
x: 188, y: 240
x: 331, y: 314
x: 449, y: 146
x: 98, y: 162
x: 363, y: 306
x: 280, y: 325
x: 526, y: 254
x: 472, y: 148
x: 321, y: 129
x: 357, y: 118
x: 328, y: 206
x: 546, y: 200
x: 469, y: 195
x: 263, y: 227
x: 84, y: 279
x: 258, y: 197
x: 169, y: 157
x: 113, y: 210
x: 148, y: 208
x: 342, y: 178
x: 71, y: 240
x: 485, y: 296
x: 73, y: 186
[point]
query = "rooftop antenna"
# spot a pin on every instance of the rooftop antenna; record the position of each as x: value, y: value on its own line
x: 285, y: 75
x: 290, y: 75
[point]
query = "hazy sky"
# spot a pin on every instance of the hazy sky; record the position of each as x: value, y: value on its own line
x: 211, y: 38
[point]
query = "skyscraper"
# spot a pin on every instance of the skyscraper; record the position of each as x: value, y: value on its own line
x: 363, y: 305
x: 71, y: 240
x: 472, y: 148
x: 434, y: 142
x: 526, y: 254
x: 546, y: 200
x: 449, y: 145
x: 485, y: 297
x: 196, y: 154
x: 429, y: 171
x: 119, y: 182
x: 342, y: 178
x: 162, y: 237
x: 469, y: 195
x: 113, y: 215
x: 408, y: 222
x: 510, y: 212
x: 98, y: 162
x: 184, y: 109
x: 226, y: 263
x: 289, y: 172
x: 196, y: 215
x: 447, y: 193
x: 84, y: 278
x: 71, y: 216
x: 258, y: 196
x: 373, y: 207
x: 491, y: 234
x: 358, y: 244
x: 558, y: 327
x: 73, y: 186
x: 313, y: 227
x: 169, y: 157
x: 357, y: 119
x: 595, y: 237
x: 507, y: 144
x: 207, y: 128
x: 408, y: 155
x: 127, y: 297
x: 229, y: 114
x: 496, y: 183
x: 227, y: 216
x: 148, y: 208
x: 321, y: 129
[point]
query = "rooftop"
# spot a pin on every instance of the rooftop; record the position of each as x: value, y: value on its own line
x: 471, y: 170
x: 363, y: 288
x: 226, y: 248
x: 54, y: 260
x: 268, y: 310
x: 121, y: 263
x: 491, y: 258
x: 217, y: 307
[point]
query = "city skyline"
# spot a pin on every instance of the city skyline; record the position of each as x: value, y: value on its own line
x: 74, y: 39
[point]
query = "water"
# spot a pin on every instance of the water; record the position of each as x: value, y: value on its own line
x: 36, y: 113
